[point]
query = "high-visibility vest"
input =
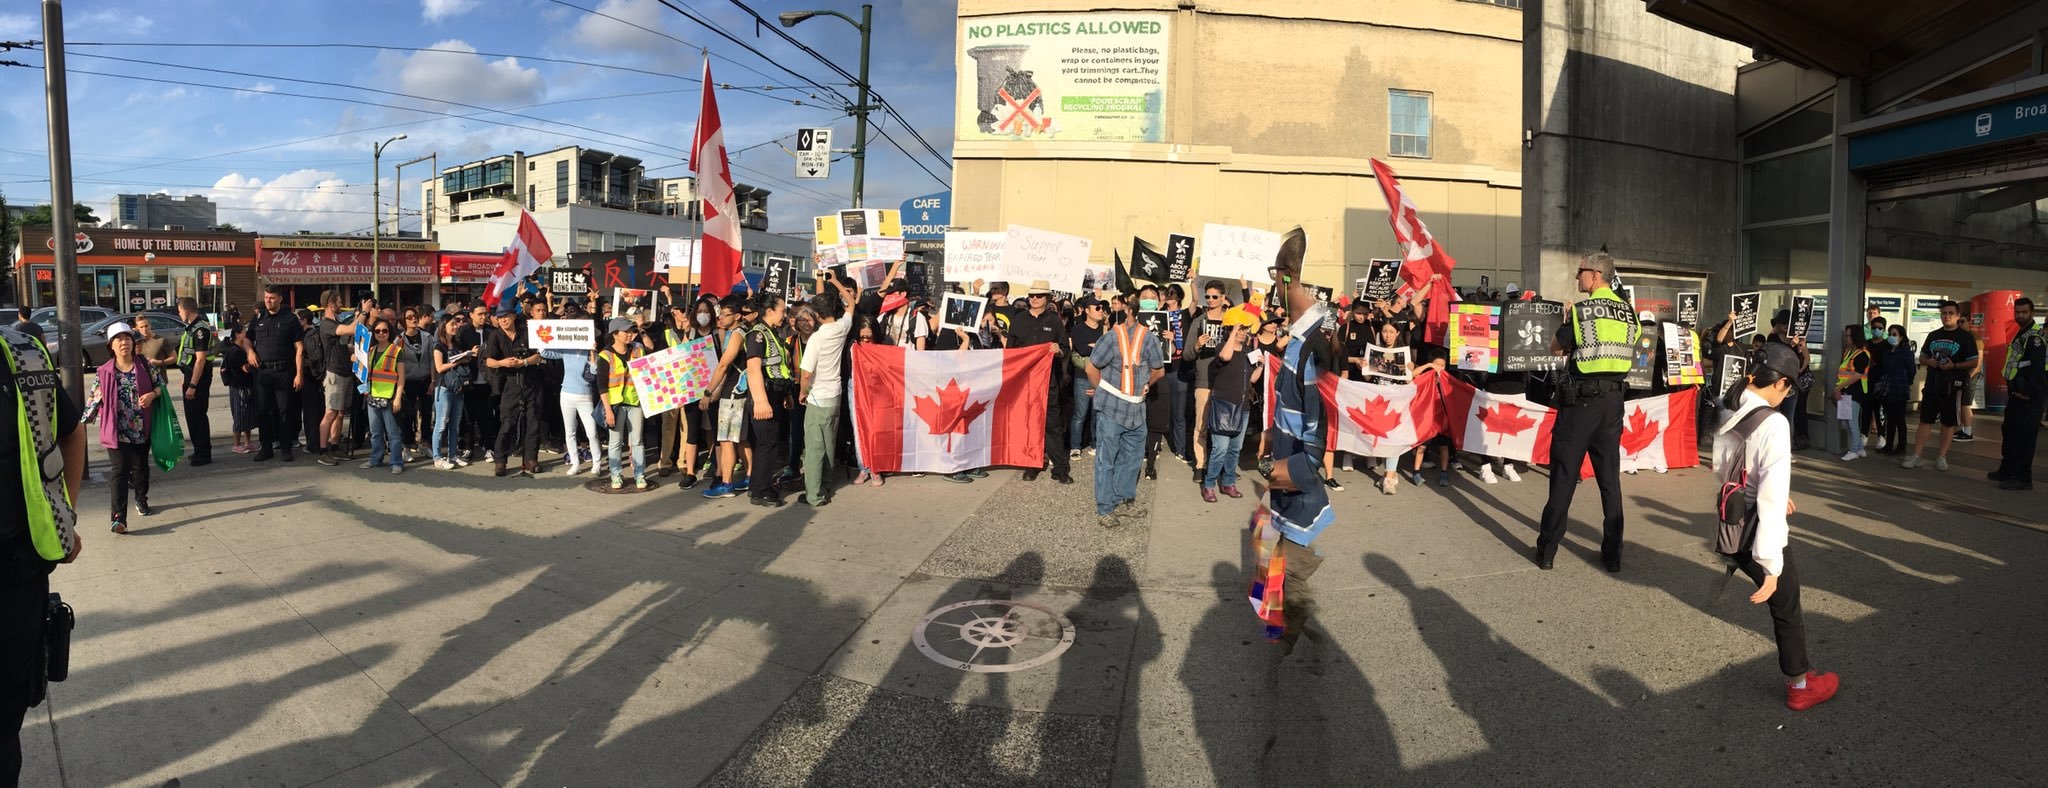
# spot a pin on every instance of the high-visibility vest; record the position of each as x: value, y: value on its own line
x: 1606, y: 332
x: 1847, y: 379
x: 47, y: 502
x: 775, y: 357
x: 384, y: 373
x: 2016, y: 351
x: 185, y: 348
x: 617, y: 389
x: 1130, y: 345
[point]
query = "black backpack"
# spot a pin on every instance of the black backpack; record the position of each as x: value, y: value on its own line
x: 1737, y: 529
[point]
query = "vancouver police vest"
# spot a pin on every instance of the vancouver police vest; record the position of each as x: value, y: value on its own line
x: 1606, y: 331
x: 2016, y: 351
x: 49, y: 513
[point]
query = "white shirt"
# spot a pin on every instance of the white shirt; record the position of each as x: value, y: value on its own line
x: 1767, y: 456
x: 904, y: 327
x: 822, y: 361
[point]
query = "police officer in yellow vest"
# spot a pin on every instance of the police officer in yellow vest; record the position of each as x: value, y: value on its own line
x: 47, y: 452
x: 2026, y: 383
x: 1599, y: 337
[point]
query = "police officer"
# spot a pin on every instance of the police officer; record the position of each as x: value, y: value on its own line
x: 36, y: 521
x: 1599, y: 338
x: 275, y: 344
x: 195, y: 351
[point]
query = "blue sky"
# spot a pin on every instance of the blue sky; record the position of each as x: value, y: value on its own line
x: 313, y: 169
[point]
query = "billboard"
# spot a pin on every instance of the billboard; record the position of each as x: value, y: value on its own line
x: 1093, y: 77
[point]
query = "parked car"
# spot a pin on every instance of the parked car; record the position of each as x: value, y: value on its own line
x: 87, y: 315
x: 94, y: 349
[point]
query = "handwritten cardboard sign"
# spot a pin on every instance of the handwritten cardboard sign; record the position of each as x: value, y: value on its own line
x: 974, y: 257
x: 1230, y: 252
x: 1031, y: 254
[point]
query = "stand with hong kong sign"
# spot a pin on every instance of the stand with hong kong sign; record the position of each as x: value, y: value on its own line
x: 343, y: 261
x: 561, y: 334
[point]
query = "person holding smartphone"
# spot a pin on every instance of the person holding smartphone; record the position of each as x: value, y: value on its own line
x: 453, y: 355
x: 519, y: 398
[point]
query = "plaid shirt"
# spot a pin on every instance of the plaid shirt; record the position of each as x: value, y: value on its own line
x: 1109, y: 357
x: 1298, y: 434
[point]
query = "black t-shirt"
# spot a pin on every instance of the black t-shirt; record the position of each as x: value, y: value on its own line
x: 1948, y: 344
x: 339, y: 351
x: 1082, y: 339
x: 1228, y: 380
x: 501, y: 345
x: 30, y: 327
x: 1027, y: 330
x: 1354, y: 339
x: 272, y: 335
x: 13, y: 522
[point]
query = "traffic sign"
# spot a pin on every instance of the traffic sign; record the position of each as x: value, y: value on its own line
x: 813, y: 154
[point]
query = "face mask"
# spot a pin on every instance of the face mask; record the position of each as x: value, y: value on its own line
x: 1892, y: 340
x: 703, y: 319
x: 1148, y: 304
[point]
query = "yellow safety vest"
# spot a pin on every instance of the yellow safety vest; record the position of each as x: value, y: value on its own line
x: 384, y: 373
x: 1606, y: 332
x: 1847, y: 377
x: 47, y: 501
x: 617, y: 389
x: 2016, y: 351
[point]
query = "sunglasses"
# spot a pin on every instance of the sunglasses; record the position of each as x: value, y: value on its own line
x: 382, y: 331
x: 1214, y: 297
x: 1040, y: 295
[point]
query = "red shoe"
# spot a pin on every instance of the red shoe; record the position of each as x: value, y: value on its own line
x: 1208, y: 494
x: 1819, y: 688
x: 1231, y: 490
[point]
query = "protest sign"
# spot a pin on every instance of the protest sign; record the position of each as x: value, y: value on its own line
x: 673, y: 377
x: 568, y: 281
x: 1097, y: 277
x: 626, y: 298
x: 1628, y: 296
x: 1682, y: 365
x: 1802, y: 317
x: 885, y: 249
x: 777, y: 279
x: 1745, y: 306
x: 677, y: 253
x: 825, y: 257
x: 1733, y: 369
x: 1475, y: 337
x: 561, y: 334
x: 1030, y: 254
x: 1180, y: 257
x: 1526, y: 328
x: 1642, y: 372
x: 1230, y: 252
x: 1386, y: 364
x: 1689, y: 310
x: 1326, y: 297
x: 1159, y: 324
x: 975, y: 257
x: 962, y: 312
x: 870, y: 275
x: 1382, y: 278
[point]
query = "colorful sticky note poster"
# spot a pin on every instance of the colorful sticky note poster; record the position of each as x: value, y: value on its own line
x: 673, y: 377
x: 1475, y: 337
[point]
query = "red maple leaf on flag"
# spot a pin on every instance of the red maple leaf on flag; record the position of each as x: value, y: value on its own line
x: 948, y: 414
x: 1639, y: 432
x: 1377, y: 419
x: 1505, y: 420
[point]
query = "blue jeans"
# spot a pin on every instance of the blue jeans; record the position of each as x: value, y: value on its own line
x: 626, y: 429
x: 447, y: 421
x: 1223, y: 453
x: 1084, y: 406
x: 1118, y: 452
x: 385, y: 440
x: 1854, y: 424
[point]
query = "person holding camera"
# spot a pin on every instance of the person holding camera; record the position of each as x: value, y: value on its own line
x: 37, y: 526
x: 1599, y: 341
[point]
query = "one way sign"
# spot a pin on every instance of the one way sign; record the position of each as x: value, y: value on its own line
x: 814, y: 154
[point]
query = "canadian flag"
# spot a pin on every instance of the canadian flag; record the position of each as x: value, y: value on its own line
x: 1508, y: 426
x: 719, y: 259
x: 949, y: 411
x: 1375, y: 420
x: 1422, y: 258
x: 1660, y: 432
x: 528, y: 251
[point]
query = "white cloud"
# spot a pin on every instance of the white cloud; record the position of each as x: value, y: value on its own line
x: 464, y: 77
x: 108, y: 21
x: 252, y: 90
x: 302, y: 200
x: 437, y: 10
x: 19, y: 26
x: 600, y: 34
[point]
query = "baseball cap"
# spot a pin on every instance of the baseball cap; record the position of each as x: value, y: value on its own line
x: 1782, y: 359
x: 118, y: 329
x: 619, y: 324
x: 1646, y: 316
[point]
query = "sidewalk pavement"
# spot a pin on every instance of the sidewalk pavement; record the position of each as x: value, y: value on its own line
x: 299, y: 625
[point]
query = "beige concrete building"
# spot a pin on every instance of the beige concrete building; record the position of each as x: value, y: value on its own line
x: 1156, y: 117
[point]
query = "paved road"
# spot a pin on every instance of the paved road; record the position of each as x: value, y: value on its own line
x: 296, y: 625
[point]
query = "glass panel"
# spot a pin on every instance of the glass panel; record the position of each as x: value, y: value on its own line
x: 1812, y: 124
x: 1789, y: 186
x: 1408, y: 123
x: 1796, y: 253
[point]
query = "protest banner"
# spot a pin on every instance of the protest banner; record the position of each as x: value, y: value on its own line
x: 1745, y: 306
x: 1180, y: 257
x: 974, y: 257
x: 1386, y: 364
x: 1475, y: 337
x: 561, y: 334
x: 626, y: 298
x: 1802, y: 317
x: 1031, y: 254
x: 1382, y: 279
x: 943, y: 411
x: 1682, y: 365
x: 1230, y: 252
x: 1689, y: 310
x: 962, y: 312
x: 1734, y: 368
x: 658, y: 378
x: 569, y: 281
x: 1526, y: 328
x: 777, y: 278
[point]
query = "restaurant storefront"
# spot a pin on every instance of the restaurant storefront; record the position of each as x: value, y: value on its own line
x: 134, y: 270
x: 464, y: 275
x: 407, y: 274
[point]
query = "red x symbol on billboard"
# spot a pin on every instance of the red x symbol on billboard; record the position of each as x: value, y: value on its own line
x: 1020, y: 112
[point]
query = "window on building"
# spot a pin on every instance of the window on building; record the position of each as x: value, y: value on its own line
x: 625, y: 241
x: 589, y: 241
x: 531, y: 192
x: 1408, y: 116
x: 561, y: 183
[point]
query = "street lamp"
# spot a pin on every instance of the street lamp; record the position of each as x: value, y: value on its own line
x: 860, y: 109
x: 377, y: 213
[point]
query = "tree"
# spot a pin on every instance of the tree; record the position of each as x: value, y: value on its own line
x: 40, y: 215
x: 226, y: 227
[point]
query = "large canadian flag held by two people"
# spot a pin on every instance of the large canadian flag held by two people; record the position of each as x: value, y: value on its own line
x: 1660, y: 432
x: 1376, y: 420
x: 1499, y: 425
x: 949, y: 411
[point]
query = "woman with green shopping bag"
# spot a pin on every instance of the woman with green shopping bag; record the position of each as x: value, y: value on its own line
x: 125, y: 405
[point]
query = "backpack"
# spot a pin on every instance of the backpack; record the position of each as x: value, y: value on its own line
x: 1737, y: 527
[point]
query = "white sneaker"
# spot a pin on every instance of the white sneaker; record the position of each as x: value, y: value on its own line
x: 445, y: 464
x: 368, y: 464
x: 461, y: 462
x: 1850, y: 456
x: 1941, y: 463
x: 1630, y: 471
x: 1910, y: 463
x: 1344, y: 463
x: 1486, y: 475
x: 573, y: 469
x: 1879, y: 446
x: 1509, y: 471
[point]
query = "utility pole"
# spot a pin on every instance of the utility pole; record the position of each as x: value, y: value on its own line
x: 861, y: 108
x: 63, y: 221
x: 377, y: 216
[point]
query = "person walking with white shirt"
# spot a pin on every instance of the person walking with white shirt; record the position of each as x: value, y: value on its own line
x: 1757, y: 454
